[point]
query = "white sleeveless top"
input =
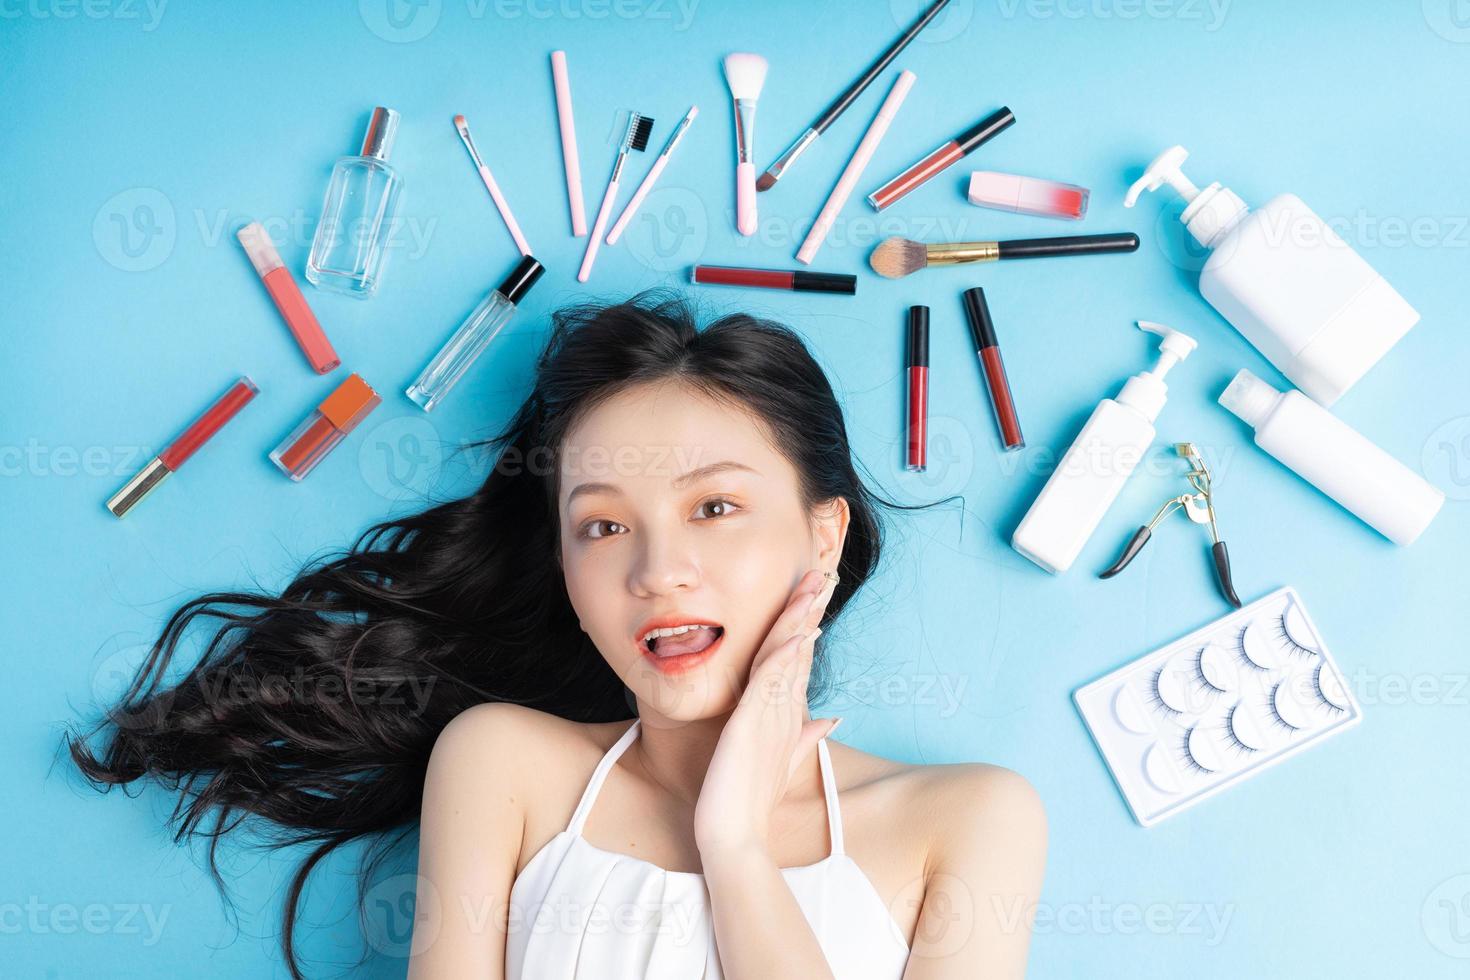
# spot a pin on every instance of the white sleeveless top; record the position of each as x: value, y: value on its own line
x: 578, y: 912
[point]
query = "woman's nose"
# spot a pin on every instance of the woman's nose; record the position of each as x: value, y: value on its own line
x: 664, y: 565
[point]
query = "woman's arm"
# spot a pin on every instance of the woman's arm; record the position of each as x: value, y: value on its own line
x: 983, y: 878
x: 760, y: 929
x: 470, y: 836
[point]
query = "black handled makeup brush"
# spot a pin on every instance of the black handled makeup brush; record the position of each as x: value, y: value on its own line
x: 897, y: 257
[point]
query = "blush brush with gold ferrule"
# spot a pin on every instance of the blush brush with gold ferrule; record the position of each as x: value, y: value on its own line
x: 897, y: 257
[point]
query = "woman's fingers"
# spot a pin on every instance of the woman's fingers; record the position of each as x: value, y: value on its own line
x: 818, y: 608
x: 790, y: 622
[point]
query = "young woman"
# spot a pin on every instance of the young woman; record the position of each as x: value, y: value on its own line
x: 611, y: 761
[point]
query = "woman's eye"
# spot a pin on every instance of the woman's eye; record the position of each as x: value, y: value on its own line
x: 727, y: 507
x: 593, y: 529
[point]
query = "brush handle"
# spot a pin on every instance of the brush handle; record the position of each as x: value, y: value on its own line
x: 504, y: 209
x: 745, y: 198
x: 596, y: 237
x: 568, y: 128
x: 1030, y: 248
x: 854, y: 169
x: 621, y: 224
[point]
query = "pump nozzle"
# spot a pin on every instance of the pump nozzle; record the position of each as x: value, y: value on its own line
x: 1174, y: 348
x: 1145, y: 392
x: 1209, y: 214
x: 1164, y: 170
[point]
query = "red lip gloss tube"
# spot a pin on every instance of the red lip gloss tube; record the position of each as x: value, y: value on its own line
x: 288, y: 299
x: 941, y: 159
x: 988, y: 347
x: 918, y: 372
x: 187, y: 444
x: 321, y: 431
x: 801, y: 282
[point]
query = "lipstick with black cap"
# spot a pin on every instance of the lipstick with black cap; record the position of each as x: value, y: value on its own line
x: 982, y: 328
x: 917, y: 437
x: 941, y: 159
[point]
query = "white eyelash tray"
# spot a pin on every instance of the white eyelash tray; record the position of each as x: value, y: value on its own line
x: 1218, y: 706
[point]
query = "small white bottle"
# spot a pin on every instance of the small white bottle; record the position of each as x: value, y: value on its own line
x: 1103, y: 456
x: 1335, y: 458
x: 1287, y: 282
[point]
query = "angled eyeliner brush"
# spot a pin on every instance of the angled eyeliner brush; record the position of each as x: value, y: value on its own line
x: 463, y: 128
x: 839, y: 105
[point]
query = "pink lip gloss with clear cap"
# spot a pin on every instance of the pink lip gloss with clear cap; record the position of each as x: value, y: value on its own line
x: 1027, y: 195
x: 287, y: 297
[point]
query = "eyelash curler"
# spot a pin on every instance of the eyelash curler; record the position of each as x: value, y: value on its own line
x: 1199, y: 507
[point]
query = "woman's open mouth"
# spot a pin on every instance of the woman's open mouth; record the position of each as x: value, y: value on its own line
x: 675, y: 649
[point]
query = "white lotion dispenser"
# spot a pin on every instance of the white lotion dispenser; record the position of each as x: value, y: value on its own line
x: 1089, y: 477
x: 1335, y: 458
x: 1289, y: 283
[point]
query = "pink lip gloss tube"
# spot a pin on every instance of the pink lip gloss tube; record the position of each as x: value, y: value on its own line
x: 1027, y: 195
x: 287, y: 297
x: 200, y: 431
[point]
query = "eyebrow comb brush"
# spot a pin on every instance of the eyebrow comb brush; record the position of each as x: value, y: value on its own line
x: 634, y: 138
x: 621, y: 224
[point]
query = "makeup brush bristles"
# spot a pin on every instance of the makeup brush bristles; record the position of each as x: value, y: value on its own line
x: 897, y: 257
x: 639, y: 129
x: 745, y: 73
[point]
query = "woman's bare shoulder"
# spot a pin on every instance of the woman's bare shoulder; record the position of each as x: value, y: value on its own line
x: 944, y: 800
x: 533, y: 736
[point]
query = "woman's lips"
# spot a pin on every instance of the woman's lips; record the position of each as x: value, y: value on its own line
x: 681, y: 662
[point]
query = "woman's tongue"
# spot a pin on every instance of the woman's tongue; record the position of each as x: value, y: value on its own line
x: 691, y: 642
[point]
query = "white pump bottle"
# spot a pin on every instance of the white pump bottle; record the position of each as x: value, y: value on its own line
x: 1103, y: 456
x: 1292, y: 287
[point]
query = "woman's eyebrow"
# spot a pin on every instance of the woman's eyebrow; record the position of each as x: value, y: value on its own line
x: 679, y: 482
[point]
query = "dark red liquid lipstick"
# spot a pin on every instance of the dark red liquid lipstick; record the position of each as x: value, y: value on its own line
x: 916, y: 435
x: 802, y: 282
x: 988, y: 347
x: 941, y: 159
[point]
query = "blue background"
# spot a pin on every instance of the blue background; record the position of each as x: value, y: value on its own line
x: 136, y: 141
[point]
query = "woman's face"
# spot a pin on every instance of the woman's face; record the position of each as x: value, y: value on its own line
x: 676, y: 510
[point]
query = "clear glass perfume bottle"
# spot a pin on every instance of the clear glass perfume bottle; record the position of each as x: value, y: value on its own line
x: 473, y: 336
x: 349, y: 250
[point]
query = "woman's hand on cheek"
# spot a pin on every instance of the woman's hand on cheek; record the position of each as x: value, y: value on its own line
x: 766, y: 737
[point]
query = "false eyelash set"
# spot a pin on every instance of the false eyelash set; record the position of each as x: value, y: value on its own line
x: 1216, y: 707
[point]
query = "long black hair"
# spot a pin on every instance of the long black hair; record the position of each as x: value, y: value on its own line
x: 430, y: 614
